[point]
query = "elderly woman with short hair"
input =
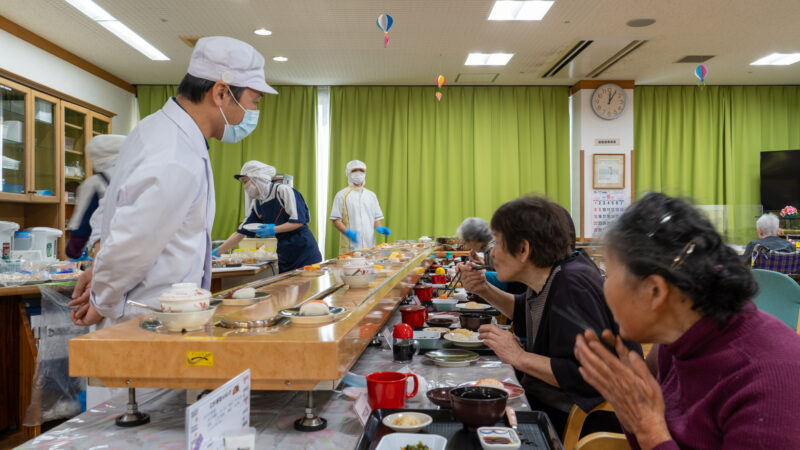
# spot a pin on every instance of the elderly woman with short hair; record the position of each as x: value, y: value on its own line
x: 726, y: 374
x: 768, y: 228
x: 477, y: 236
x: 534, y: 247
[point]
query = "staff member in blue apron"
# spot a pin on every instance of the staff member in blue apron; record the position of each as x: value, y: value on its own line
x: 282, y: 213
x: 103, y: 151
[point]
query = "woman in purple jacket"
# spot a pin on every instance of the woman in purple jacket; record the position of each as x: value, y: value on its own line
x: 723, y: 374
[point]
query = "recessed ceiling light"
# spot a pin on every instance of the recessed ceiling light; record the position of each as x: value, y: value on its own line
x: 93, y: 11
x: 280, y: 58
x: 488, y: 59
x: 638, y: 23
x: 262, y: 32
x: 777, y: 59
x: 520, y: 10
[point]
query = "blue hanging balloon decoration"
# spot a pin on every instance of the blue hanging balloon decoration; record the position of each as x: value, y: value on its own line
x: 385, y: 22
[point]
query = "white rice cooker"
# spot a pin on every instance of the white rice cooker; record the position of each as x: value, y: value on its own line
x: 7, y: 230
x: 45, y: 241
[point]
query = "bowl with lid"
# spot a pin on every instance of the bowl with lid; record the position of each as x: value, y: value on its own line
x: 184, y: 297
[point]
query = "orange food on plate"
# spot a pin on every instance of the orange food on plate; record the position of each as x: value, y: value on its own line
x: 490, y: 382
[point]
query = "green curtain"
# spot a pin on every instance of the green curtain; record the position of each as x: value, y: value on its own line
x: 285, y: 138
x: 433, y: 163
x: 705, y: 143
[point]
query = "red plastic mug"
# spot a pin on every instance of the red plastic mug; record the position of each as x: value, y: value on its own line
x: 424, y: 293
x: 388, y: 389
x: 414, y: 315
x: 439, y: 278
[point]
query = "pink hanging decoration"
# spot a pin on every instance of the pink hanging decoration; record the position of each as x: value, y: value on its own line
x: 439, y: 96
x: 385, y: 40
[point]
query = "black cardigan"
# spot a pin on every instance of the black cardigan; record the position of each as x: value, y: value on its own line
x: 578, y: 285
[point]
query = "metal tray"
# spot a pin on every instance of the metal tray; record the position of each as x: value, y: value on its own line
x: 535, y: 425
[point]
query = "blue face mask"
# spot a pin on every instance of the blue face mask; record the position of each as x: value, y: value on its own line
x: 235, y: 133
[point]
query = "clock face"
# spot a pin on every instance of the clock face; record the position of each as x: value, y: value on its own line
x: 608, y: 101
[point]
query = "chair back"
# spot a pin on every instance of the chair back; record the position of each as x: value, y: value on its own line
x: 779, y: 296
x: 763, y: 258
x: 575, y: 422
x: 603, y: 441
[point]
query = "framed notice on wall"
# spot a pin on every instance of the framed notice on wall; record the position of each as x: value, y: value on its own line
x: 608, y: 171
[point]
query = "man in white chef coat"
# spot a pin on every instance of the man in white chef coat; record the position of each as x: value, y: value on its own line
x: 356, y: 212
x: 159, y: 208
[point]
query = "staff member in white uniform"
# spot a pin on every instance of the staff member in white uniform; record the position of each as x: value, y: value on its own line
x: 159, y: 208
x: 356, y: 212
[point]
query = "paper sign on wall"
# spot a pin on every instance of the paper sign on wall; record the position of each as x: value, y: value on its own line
x: 225, y: 410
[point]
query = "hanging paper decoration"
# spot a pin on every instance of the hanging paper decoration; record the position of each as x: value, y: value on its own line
x: 440, y: 81
x: 439, y: 96
x: 700, y: 72
x: 385, y: 22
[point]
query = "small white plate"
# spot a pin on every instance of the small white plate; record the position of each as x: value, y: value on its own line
x: 479, y: 307
x: 424, y: 421
x: 498, y: 432
x: 466, y: 344
x: 252, y: 227
x: 334, y: 313
x: 395, y: 441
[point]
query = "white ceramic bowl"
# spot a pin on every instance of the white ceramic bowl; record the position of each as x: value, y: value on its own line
x: 424, y: 421
x: 359, y: 281
x: 184, y: 297
x: 188, y: 321
x: 498, y: 432
x: 394, y: 441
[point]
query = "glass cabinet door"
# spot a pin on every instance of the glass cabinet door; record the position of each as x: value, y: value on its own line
x: 99, y: 126
x: 12, y: 139
x: 44, y: 151
x: 74, y: 151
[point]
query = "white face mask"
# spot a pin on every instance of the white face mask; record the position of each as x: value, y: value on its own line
x: 251, y: 189
x: 356, y: 179
x: 235, y: 133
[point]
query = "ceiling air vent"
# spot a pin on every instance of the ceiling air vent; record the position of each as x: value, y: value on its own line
x: 191, y: 41
x: 476, y: 78
x: 565, y: 59
x: 695, y: 59
x: 627, y: 50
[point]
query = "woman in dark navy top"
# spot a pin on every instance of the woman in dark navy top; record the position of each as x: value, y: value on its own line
x: 281, y: 212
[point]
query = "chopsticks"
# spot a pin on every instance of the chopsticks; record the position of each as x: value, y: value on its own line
x: 452, y: 288
x: 572, y: 315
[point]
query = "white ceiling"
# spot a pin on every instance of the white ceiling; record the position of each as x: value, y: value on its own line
x: 336, y: 42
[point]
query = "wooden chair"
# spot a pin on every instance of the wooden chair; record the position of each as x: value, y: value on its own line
x: 575, y: 422
x: 603, y: 441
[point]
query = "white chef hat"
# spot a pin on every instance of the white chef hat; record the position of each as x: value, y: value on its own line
x: 257, y: 169
x: 104, y: 149
x: 221, y: 58
x: 354, y: 164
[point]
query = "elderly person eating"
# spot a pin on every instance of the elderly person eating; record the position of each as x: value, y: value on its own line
x: 477, y: 236
x: 723, y: 374
x: 534, y: 247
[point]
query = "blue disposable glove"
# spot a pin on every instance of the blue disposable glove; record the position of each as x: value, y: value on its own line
x: 84, y: 256
x: 384, y: 231
x: 351, y: 234
x: 491, y: 277
x: 215, y: 253
x: 266, y: 230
